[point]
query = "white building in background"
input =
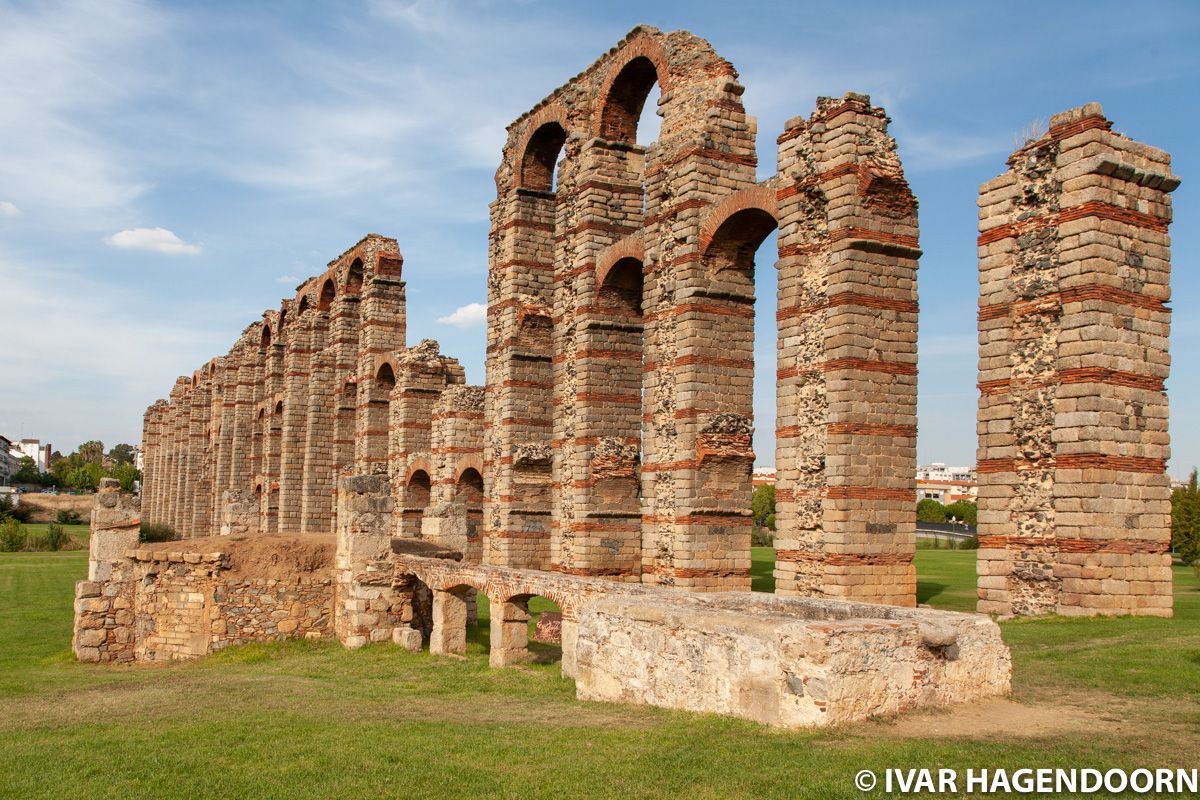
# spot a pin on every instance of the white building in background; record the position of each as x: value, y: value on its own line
x: 32, y: 448
x: 9, y: 462
x: 938, y: 471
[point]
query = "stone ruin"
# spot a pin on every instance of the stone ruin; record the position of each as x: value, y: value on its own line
x: 607, y: 463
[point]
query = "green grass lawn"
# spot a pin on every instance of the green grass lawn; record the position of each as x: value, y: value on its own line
x: 311, y: 720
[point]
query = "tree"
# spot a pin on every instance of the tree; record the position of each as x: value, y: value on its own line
x: 963, y: 511
x: 92, y: 452
x: 122, y: 454
x: 930, y: 510
x: 127, y: 474
x: 1185, y: 520
x: 762, y: 506
x: 28, y: 472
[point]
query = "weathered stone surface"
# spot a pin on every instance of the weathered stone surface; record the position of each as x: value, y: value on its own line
x: 1074, y: 500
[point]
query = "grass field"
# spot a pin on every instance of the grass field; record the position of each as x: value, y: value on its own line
x: 311, y: 720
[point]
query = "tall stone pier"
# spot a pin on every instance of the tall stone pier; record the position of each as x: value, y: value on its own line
x: 1074, y: 276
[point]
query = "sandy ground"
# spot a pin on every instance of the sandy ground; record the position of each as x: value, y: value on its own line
x: 270, y: 556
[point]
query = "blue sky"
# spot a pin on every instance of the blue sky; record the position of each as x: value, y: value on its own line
x: 167, y: 171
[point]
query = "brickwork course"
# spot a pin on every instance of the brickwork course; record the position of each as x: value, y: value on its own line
x: 1074, y: 277
x: 612, y: 440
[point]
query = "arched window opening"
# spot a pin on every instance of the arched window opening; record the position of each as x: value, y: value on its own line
x: 737, y: 240
x: 542, y: 154
x: 303, y: 304
x: 328, y: 293
x: 385, y: 378
x: 419, y: 491
x: 622, y: 288
x: 279, y: 408
x: 468, y: 490
x: 354, y: 278
x: 626, y: 99
x: 266, y: 337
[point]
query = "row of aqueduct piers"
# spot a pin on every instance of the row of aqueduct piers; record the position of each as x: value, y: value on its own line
x: 612, y: 438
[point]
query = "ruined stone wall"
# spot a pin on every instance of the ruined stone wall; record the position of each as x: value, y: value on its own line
x: 251, y: 442
x: 180, y: 600
x: 1074, y: 273
x: 785, y: 661
x: 620, y: 334
x: 453, y: 516
x: 847, y: 359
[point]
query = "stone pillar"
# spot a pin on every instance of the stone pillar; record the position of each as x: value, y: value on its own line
x: 1074, y: 272
x: 847, y: 372
x: 517, y: 455
x: 449, y: 637
x: 239, y: 513
x: 224, y: 404
x: 382, y: 318
x: 317, y: 504
x: 367, y: 607
x: 201, y: 457
x: 509, y: 632
x: 103, y: 629
x: 295, y: 421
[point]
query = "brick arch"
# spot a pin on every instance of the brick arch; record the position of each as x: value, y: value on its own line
x: 506, y: 592
x: 641, y: 46
x: 420, y: 464
x: 328, y: 292
x: 629, y: 247
x: 756, y: 197
x: 351, y: 280
x: 382, y: 359
x: 547, y: 115
x: 470, y: 461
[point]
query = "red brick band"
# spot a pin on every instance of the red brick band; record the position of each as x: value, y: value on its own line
x: 1124, y: 546
x: 1092, y: 208
x: 843, y: 559
x: 690, y: 572
x: 1151, y: 466
x: 1054, y: 301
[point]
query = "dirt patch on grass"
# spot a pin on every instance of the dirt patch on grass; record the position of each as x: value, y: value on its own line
x: 998, y: 718
x: 274, y: 556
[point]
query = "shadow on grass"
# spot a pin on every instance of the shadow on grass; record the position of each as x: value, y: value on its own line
x: 927, y: 590
x: 479, y: 638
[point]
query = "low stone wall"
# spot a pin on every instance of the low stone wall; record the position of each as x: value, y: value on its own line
x: 181, y: 600
x: 788, y: 661
x: 784, y: 661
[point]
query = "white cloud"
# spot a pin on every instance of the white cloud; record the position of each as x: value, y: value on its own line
x: 158, y: 240
x: 69, y: 74
x: 7, y: 209
x: 290, y: 280
x: 468, y: 316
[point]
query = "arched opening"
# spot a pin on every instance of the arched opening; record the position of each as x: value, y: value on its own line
x: 266, y: 336
x: 354, y: 278
x: 328, y: 293
x: 468, y: 490
x: 451, y: 613
x: 375, y: 436
x: 273, y: 452
x: 303, y: 304
x: 523, y: 628
x: 539, y: 162
x: 343, y: 434
x: 416, y: 499
x: 625, y: 100
x: 742, y: 409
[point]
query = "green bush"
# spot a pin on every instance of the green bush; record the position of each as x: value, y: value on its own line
x: 762, y: 537
x: 929, y: 510
x: 9, y: 510
x: 963, y: 511
x: 12, y: 536
x: 66, y: 516
x: 762, y: 506
x: 157, y: 532
x: 969, y: 544
x: 1185, y: 521
x: 56, y: 537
